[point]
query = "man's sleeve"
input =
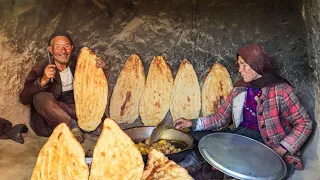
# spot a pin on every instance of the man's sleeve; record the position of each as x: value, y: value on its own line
x: 31, y: 87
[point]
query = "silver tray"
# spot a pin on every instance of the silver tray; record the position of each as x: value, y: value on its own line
x: 89, y: 162
x: 241, y: 157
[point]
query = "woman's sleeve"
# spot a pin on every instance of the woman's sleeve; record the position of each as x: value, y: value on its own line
x: 294, y: 112
x: 220, y: 119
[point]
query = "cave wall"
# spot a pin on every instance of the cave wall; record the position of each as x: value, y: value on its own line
x: 311, y: 156
x: 202, y: 31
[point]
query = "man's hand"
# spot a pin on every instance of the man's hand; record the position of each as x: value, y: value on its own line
x: 280, y: 150
x: 100, y: 63
x: 49, y: 72
x: 182, y: 123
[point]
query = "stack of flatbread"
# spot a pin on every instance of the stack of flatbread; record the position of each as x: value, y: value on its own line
x: 186, y: 97
x: 155, y: 101
x: 90, y: 91
x: 216, y: 87
x: 160, y: 167
x: 127, y: 93
x: 115, y: 155
x: 61, y: 158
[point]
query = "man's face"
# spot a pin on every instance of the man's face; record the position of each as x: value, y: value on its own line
x: 247, y: 73
x: 61, y: 49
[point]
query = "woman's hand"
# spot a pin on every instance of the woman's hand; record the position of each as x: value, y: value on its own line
x: 182, y: 123
x: 280, y: 150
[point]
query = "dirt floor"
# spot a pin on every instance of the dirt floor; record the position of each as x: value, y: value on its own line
x: 18, y: 160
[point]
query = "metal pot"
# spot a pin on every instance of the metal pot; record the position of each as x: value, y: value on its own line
x: 141, y: 133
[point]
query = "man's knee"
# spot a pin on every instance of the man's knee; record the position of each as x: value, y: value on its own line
x: 42, y: 97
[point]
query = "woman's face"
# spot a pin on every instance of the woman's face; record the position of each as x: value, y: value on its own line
x: 247, y: 73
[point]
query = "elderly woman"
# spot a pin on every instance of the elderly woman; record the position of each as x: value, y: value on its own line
x: 262, y: 106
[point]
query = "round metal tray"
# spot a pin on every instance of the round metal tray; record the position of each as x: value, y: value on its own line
x: 241, y: 157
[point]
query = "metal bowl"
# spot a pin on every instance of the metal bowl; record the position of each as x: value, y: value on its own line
x: 141, y: 133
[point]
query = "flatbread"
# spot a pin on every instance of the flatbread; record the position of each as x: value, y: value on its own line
x: 61, y: 157
x: 127, y: 93
x: 160, y: 167
x: 216, y: 86
x: 90, y: 91
x: 115, y: 155
x: 155, y: 101
x: 186, y: 97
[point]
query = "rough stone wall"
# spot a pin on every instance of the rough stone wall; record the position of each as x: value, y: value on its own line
x: 311, y: 156
x: 203, y: 31
x: 13, y: 67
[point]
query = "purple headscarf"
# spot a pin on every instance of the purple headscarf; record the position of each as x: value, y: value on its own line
x: 261, y: 62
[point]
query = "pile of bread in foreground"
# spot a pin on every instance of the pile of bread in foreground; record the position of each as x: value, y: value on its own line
x: 115, y: 157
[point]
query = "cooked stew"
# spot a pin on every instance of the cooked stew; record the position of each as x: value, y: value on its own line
x: 165, y: 146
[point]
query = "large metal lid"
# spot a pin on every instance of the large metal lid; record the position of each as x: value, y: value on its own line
x: 241, y: 157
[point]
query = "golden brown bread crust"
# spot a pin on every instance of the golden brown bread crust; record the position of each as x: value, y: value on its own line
x: 216, y: 85
x: 155, y: 101
x: 160, y: 167
x: 90, y: 91
x: 127, y: 93
x: 115, y: 155
x: 186, y: 96
x: 61, y: 157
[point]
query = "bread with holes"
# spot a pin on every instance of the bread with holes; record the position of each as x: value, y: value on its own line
x: 160, y: 167
x: 61, y: 157
x: 215, y: 89
x: 186, y: 96
x: 127, y: 92
x: 155, y: 101
x: 115, y: 155
x: 90, y: 91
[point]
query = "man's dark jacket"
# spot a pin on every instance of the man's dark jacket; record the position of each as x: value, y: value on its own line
x: 32, y: 87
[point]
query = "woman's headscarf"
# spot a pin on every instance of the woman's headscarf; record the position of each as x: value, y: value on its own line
x: 260, y: 61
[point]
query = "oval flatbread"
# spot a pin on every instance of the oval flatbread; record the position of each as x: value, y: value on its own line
x: 61, y: 157
x: 155, y: 101
x: 186, y: 98
x: 115, y: 155
x: 160, y: 167
x: 127, y: 93
x: 90, y: 91
x: 216, y: 86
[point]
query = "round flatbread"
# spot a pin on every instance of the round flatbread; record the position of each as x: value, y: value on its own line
x: 90, y: 91
x: 160, y: 167
x: 115, y: 155
x: 127, y: 93
x: 186, y: 97
x: 155, y: 101
x: 216, y: 87
x: 61, y: 157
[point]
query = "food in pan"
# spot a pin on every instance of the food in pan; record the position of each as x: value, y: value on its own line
x: 115, y: 155
x: 127, y: 93
x: 215, y: 89
x: 90, y: 91
x: 186, y: 98
x: 163, y: 145
x: 160, y: 167
x: 155, y: 101
x: 61, y: 157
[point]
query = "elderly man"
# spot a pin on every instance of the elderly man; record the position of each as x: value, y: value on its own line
x: 49, y: 88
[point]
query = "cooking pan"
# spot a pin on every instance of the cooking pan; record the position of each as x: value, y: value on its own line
x: 138, y: 134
